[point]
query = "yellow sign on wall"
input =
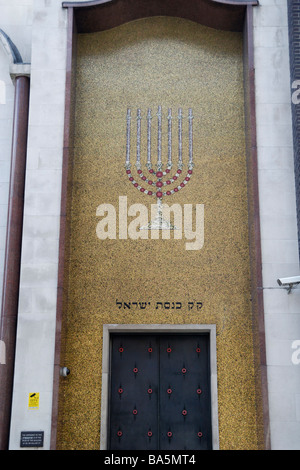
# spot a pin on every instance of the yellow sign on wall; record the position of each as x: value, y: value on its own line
x: 33, y: 401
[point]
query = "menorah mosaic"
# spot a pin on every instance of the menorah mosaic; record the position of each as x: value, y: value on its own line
x: 160, y: 179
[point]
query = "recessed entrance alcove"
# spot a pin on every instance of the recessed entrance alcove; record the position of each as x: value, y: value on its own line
x: 159, y: 59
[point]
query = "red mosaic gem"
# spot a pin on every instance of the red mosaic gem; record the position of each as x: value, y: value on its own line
x: 159, y: 174
x: 159, y: 194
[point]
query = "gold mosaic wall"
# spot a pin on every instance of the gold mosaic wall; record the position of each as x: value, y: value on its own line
x: 173, y: 63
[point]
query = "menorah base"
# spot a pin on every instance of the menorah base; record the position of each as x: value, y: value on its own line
x: 159, y: 223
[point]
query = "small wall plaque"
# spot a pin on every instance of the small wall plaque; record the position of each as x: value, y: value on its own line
x: 33, y: 401
x: 32, y: 439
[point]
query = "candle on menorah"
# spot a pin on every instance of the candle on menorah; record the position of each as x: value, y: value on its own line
x: 169, y: 138
x: 190, y: 136
x: 179, y: 137
x: 138, y: 139
x: 149, y: 117
x: 159, y: 162
x: 128, y: 137
x: 160, y: 187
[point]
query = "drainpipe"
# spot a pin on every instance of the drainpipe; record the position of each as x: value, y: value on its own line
x: 9, y: 310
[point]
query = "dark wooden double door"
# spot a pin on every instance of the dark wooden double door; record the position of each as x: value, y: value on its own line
x: 160, y: 392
